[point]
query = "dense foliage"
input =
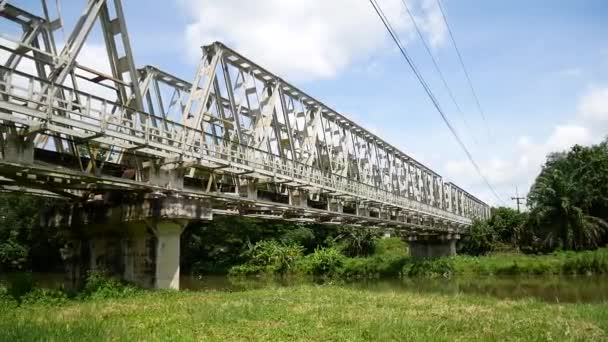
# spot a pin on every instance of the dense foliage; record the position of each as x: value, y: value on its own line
x: 25, y: 244
x: 568, y: 209
x: 569, y: 201
x: 500, y: 232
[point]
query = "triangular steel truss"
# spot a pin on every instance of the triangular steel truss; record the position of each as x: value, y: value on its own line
x: 235, y: 121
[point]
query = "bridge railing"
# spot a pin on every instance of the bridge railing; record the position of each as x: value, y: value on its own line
x: 32, y: 100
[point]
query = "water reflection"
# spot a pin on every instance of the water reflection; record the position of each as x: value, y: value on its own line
x: 582, y: 289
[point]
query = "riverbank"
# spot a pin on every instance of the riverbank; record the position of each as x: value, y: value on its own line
x: 557, y: 263
x: 304, y: 312
x: 389, y: 259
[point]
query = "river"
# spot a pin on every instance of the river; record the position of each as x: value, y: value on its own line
x: 581, y: 289
x: 553, y: 289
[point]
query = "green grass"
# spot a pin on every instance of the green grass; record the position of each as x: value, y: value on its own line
x: 567, y: 263
x: 306, y: 312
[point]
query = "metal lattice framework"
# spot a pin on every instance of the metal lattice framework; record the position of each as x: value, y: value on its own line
x: 238, y: 134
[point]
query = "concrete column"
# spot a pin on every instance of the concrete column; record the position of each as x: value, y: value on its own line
x: 334, y: 204
x: 167, y: 254
x: 362, y: 209
x: 139, y: 259
x: 432, y: 248
x: 298, y: 198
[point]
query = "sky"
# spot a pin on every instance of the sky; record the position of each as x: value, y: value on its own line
x: 539, y: 69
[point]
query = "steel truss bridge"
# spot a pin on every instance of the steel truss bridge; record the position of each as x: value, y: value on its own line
x: 237, y: 136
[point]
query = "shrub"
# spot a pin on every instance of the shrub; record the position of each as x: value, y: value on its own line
x: 50, y: 297
x: 19, y: 284
x: 245, y: 270
x: 302, y: 236
x: 270, y: 257
x: 99, y: 285
x: 323, y: 262
x: 481, y: 239
x: 442, y: 267
x: 593, y: 262
x: 356, y: 242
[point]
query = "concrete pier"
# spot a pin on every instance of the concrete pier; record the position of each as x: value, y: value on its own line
x: 134, y: 239
x: 433, y: 246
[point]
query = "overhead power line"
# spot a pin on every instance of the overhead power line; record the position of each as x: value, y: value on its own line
x: 430, y: 94
x: 464, y: 68
x: 439, y: 72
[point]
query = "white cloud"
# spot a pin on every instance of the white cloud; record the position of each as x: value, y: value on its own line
x: 432, y: 23
x: 304, y: 39
x: 594, y: 104
x: 520, y: 170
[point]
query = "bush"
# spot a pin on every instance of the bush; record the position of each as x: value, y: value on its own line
x: 245, y: 270
x: 323, y: 262
x: 50, y: 297
x: 270, y: 257
x: 481, y: 239
x: 356, y: 242
x: 302, y: 236
x: 100, y: 285
x: 595, y: 262
x: 442, y: 267
x: 7, y: 302
x: 19, y: 284
x: 390, y: 246
x: 390, y: 255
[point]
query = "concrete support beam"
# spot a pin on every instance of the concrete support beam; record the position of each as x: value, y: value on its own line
x: 247, y: 189
x: 167, y: 176
x: 298, y: 198
x: 335, y: 205
x: 362, y: 209
x: 18, y: 148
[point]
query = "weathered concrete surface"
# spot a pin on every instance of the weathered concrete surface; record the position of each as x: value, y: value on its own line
x: 167, y: 254
x: 433, y: 247
x: 135, y: 239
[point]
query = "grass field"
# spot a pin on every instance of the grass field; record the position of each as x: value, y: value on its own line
x: 305, y: 312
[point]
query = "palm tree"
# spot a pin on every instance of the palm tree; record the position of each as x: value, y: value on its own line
x: 557, y: 216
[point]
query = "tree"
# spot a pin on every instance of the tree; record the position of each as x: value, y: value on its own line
x: 506, y: 223
x: 481, y: 239
x: 569, y: 200
x: 24, y: 242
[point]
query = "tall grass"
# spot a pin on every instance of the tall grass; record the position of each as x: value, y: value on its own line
x: 557, y: 263
x: 304, y: 313
x: 390, y: 259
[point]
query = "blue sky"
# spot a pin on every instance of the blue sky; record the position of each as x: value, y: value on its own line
x: 540, y: 69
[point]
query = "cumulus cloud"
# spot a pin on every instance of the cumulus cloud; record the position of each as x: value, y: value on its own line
x: 594, y: 104
x: 304, y: 39
x: 505, y: 174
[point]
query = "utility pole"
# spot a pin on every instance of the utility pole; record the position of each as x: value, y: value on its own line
x: 517, y: 199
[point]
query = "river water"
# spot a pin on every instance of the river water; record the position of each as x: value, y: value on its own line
x: 581, y: 289
x: 554, y: 289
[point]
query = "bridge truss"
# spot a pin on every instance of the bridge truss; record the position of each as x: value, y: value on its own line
x: 237, y: 135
